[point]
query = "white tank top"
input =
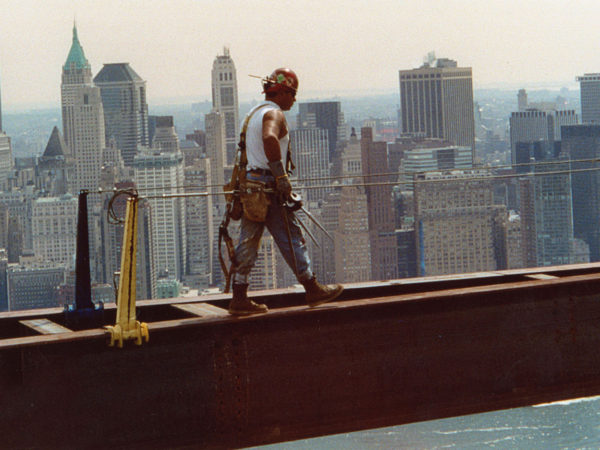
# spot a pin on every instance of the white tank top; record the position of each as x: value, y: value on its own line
x: 255, y: 150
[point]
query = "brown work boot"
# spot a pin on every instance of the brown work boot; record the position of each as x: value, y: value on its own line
x: 317, y: 294
x: 241, y: 305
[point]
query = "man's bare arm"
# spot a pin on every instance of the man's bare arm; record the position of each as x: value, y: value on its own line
x: 274, y: 128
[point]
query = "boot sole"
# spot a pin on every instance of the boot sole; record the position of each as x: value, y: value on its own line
x: 246, y: 312
x: 327, y: 299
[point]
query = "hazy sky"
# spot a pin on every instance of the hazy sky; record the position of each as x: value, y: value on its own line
x: 335, y: 46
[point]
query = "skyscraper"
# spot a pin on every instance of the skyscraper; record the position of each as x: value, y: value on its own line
x: 310, y: 150
x: 582, y: 142
x: 547, y: 216
x: 589, y: 89
x: 384, y: 257
x: 327, y: 116
x: 437, y: 99
x: 541, y: 128
x: 123, y: 94
x: 455, y: 223
x: 83, y: 118
x: 160, y: 172
x: 225, y: 100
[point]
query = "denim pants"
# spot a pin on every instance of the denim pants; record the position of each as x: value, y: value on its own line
x: 251, y: 234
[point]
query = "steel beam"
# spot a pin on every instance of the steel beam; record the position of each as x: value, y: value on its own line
x: 366, y: 361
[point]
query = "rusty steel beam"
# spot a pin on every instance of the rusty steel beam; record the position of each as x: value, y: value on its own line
x: 212, y: 380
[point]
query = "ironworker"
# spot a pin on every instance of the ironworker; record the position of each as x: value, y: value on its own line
x: 266, y: 141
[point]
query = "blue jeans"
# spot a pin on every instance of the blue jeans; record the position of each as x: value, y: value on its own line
x: 251, y: 233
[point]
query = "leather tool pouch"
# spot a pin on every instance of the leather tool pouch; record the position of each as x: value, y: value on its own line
x: 255, y: 200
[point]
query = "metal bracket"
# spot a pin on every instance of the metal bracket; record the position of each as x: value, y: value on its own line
x: 126, y: 326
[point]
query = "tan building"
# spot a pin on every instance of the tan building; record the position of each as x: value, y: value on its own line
x: 456, y: 223
x: 437, y: 100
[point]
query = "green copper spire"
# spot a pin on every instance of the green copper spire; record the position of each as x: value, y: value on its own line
x: 76, y: 58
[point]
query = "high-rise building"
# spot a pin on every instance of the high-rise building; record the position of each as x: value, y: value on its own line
x: 456, y: 223
x: 216, y: 153
x: 310, y: 150
x: 384, y: 257
x: 83, y: 118
x: 581, y: 144
x: 423, y: 159
x: 199, y: 226
x: 547, y: 216
x: 159, y: 172
x: 54, y: 171
x: 54, y: 228
x: 225, y: 100
x: 437, y: 99
x: 34, y: 284
x: 123, y: 94
x: 589, y: 89
x: 522, y: 99
x: 535, y: 129
x: 327, y: 116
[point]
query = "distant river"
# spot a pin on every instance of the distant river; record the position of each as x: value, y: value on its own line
x: 573, y: 424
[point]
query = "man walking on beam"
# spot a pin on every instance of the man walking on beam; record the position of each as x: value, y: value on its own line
x: 266, y: 136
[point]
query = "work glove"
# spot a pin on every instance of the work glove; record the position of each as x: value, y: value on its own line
x: 283, y: 187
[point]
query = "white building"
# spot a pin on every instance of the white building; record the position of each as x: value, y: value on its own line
x: 157, y: 173
x: 54, y: 228
x: 83, y: 118
x: 225, y: 100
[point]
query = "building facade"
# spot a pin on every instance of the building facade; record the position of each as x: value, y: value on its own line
x: 327, y: 116
x: 589, y: 90
x: 54, y: 229
x: 456, y: 223
x: 123, y: 94
x: 437, y: 100
x: 384, y: 257
x: 310, y: 150
x: 225, y: 101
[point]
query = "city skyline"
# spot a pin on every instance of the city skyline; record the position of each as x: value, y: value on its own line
x: 172, y: 45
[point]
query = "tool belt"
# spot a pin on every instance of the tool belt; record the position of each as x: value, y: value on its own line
x: 254, y: 199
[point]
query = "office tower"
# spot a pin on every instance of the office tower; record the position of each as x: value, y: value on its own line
x: 456, y: 223
x: 310, y: 150
x: 514, y: 242
x: 582, y: 142
x: 351, y: 246
x: 54, y: 228
x: 123, y: 94
x: 165, y: 138
x: 3, y: 280
x: 351, y: 238
x: 418, y: 160
x: 384, y: 257
x: 225, y: 100
x: 19, y: 206
x: 199, y: 225
x: 589, y: 89
x: 327, y: 116
x: 83, y: 121
x: 437, y: 99
x: 6, y: 160
x: 522, y: 99
x: 54, y: 171
x: 216, y: 151
x: 1, y: 129
x: 157, y: 173
x: 533, y: 134
x: 34, y: 284
x: 546, y: 216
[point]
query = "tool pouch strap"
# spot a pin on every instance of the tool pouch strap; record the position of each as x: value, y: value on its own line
x: 224, y: 237
x: 254, y: 200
